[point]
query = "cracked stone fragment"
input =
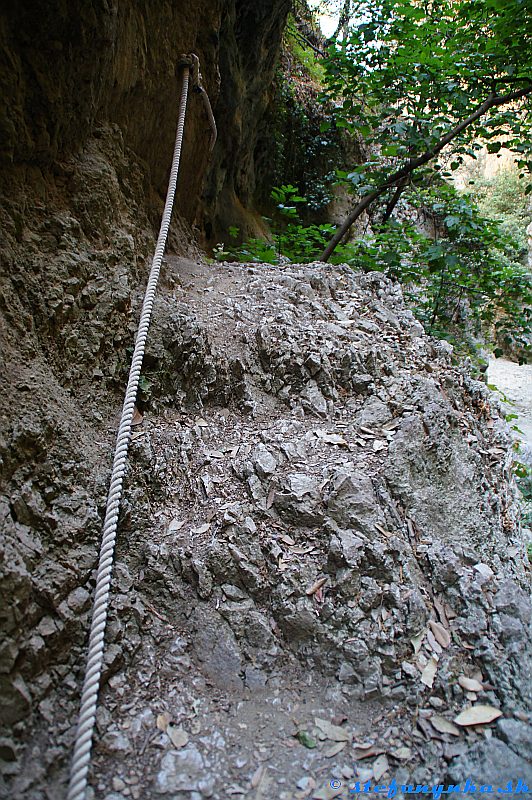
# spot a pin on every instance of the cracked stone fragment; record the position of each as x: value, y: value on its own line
x: 216, y: 648
x: 313, y: 401
x: 299, y: 501
x: 183, y: 771
x: 352, y: 502
x: 264, y: 461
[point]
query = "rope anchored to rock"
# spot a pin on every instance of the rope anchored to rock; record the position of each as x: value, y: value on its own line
x: 192, y: 62
x: 89, y: 698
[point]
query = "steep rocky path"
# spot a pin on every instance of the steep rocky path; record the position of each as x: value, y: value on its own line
x: 321, y: 535
x: 319, y: 564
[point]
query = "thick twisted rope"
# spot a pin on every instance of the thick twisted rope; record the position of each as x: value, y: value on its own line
x: 82, y: 748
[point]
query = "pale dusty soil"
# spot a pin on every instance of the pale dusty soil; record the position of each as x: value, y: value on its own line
x: 515, y: 382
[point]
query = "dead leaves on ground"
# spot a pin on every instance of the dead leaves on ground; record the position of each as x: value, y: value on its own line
x: 440, y: 633
x: 470, y: 684
x: 337, y: 739
x: 443, y: 725
x: 176, y: 733
x: 137, y: 418
x: 333, y: 732
x: 478, y: 715
x: 429, y: 672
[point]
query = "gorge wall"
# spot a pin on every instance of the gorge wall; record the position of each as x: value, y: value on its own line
x: 87, y: 129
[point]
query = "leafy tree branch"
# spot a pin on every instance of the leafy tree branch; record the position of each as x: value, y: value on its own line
x: 398, y: 177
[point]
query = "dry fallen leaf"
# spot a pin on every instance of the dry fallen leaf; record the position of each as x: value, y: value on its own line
x: 163, y: 721
x: 333, y: 438
x: 202, y: 528
x: 287, y: 539
x: 429, y: 673
x: 470, y: 684
x: 443, y: 725
x: 393, y: 423
x: 441, y: 634
x: 380, y: 767
x: 334, y: 749
x: 175, y: 525
x: 417, y: 640
x: 441, y: 611
x: 378, y: 445
x: 478, y: 715
x: 178, y: 736
x: 359, y: 754
x: 401, y: 753
x: 271, y: 497
x: 257, y: 776
x: 434, y: 644
x: 137, y: 419
x: 315, y: 586
x: 367, y: 431
x: 332, y: 732
x: 301, y: 551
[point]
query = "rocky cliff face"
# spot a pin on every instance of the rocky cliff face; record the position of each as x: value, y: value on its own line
x: 67, y: 71
x: 357, y: 454
x: 87, y: 128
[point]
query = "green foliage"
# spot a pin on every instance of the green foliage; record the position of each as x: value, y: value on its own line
x: 303, y: 243
x: 256, y: 250
x: 427, y: 85
x: 503, y: 199
x: 303, y: 155
x: 290, y: 238
x: 461, y: 275
x: 284, y: 196
x: 145, y: 389
x: 523, y: 475
x: 298, y: 151
x: 302, y: 52
x: 410, y: 71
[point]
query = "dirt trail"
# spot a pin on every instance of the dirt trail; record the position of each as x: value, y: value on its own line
x: 515, y: 382
x: 306, y: 523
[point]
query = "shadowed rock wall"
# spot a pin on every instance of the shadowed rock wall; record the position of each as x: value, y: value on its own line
x: 66, y: 68
x: 86, y: 136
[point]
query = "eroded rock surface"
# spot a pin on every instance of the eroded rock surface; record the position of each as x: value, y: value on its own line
x: 319, y: 524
